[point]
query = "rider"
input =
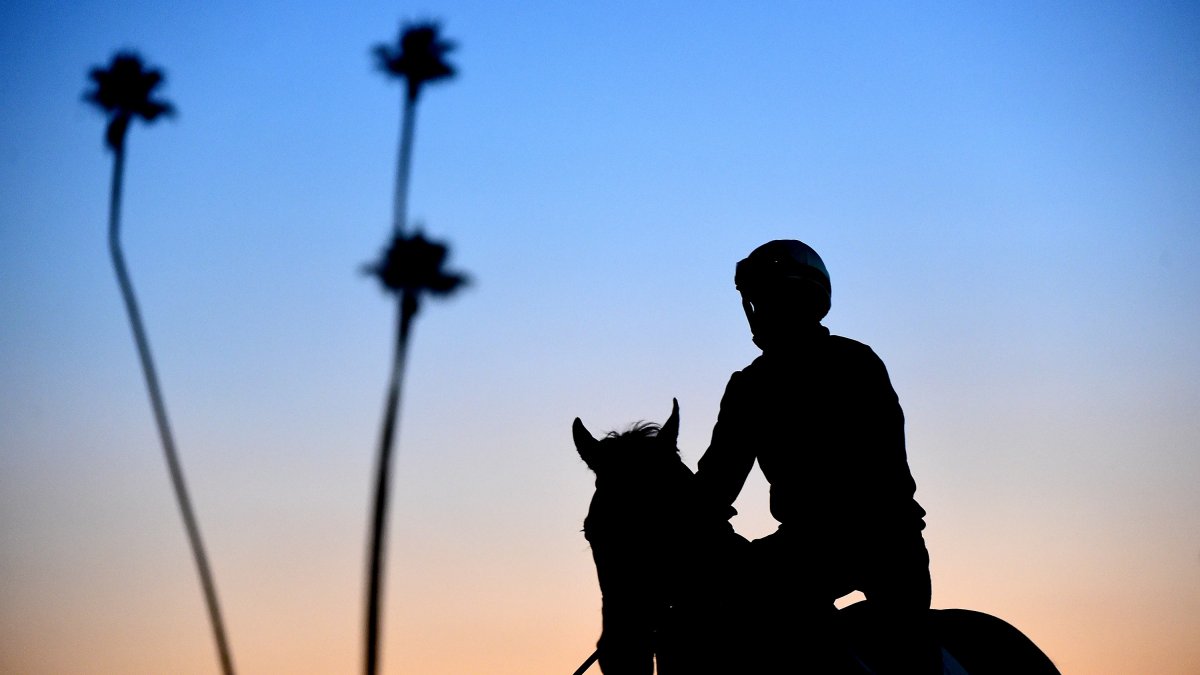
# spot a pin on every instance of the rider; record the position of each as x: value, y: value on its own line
x: 819, y: 414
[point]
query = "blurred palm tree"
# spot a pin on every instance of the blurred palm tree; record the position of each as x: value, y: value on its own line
x: 410, y: 267
x: 125, y: 91
x: 418, y: 56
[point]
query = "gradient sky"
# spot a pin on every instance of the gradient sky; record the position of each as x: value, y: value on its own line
x: 1007, y: 195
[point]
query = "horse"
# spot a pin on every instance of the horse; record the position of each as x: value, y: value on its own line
x: 661, y: 556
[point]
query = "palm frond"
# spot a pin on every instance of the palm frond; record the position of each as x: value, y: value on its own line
x: 418, y: 56
x: 125, y: 90
x: 415, y: 264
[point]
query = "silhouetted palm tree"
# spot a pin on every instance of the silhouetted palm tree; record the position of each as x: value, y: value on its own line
x: 410, y: 267
x: 417, y: 57
x: 124, y: 91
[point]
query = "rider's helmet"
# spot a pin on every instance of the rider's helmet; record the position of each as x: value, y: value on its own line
x: 785, y: 290
x: 785, y: 266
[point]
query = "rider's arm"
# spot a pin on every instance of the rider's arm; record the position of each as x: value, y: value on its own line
x: 904, y: 581
x: 723, y: 469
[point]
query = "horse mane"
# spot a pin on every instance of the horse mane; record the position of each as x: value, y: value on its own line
x: 638, y: 430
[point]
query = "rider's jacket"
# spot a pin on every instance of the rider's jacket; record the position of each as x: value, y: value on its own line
x: 825, y: 425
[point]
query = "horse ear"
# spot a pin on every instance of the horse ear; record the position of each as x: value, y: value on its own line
x: 585, y: 445
x: 670, y: 429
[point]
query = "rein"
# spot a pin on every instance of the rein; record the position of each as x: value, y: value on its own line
x: 588, y: 663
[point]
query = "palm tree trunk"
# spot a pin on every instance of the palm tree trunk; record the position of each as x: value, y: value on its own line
x: 408, y: 120
x: 160, y: 412
x: 407, y: 310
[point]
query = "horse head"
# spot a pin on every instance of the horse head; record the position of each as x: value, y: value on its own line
x: 636, y: 526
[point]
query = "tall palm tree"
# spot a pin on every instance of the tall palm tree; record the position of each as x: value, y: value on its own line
x: 418, y: 57
x: 125, y: 91
x: 410, y: 267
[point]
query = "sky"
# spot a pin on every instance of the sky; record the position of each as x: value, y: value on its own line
x: 1007, y: 195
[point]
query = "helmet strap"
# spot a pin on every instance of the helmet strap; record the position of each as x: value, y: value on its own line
x: 748, y: 308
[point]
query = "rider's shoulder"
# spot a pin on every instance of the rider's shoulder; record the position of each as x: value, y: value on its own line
x: 831, y: 350
x: 849, y: 350
x: 849, y: 345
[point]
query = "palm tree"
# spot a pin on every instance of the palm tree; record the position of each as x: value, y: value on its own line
x: 410, y: 267
x: 417, y: 57
x: 125, y: 91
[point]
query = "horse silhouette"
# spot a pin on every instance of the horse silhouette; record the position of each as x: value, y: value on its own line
x: 665, y: 565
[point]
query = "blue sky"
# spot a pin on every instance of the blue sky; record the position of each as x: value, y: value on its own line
x: 1006, y: 195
